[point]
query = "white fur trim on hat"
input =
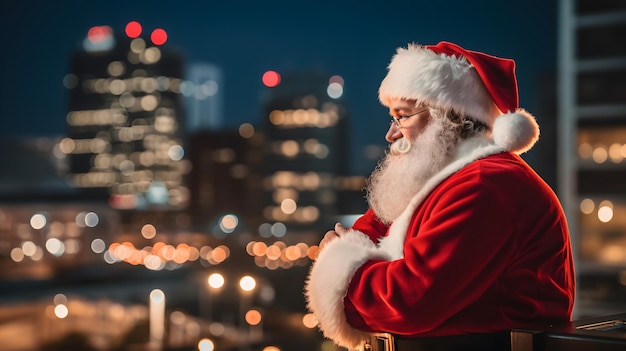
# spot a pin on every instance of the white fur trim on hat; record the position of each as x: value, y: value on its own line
x: 516, y: 132
x: 438, y: 80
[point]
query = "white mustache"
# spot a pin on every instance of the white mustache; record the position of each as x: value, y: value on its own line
x: 400, y: 146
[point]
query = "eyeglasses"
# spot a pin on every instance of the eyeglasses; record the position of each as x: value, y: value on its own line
x: 396, y: 120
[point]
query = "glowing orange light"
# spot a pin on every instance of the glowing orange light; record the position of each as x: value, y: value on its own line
x: 133, y: 29
x: 158, y: 36
x: 313, y: 252
x: 309, y: 320
x: 219, y: 254
x: 167, y: 252
x: 253, y: 317
x: 99, y: 33
x: 271, y: 79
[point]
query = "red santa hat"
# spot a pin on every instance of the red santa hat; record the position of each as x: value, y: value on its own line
x: 474, y: 84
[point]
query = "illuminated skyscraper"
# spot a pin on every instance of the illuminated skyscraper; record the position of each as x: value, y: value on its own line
x: 124, y: 125
x: 592, y: 149
x: 306, y: 151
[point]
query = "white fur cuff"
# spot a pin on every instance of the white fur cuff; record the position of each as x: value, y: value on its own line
x: 328, y: 283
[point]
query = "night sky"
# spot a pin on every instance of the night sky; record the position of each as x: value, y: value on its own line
x: 354, y: 39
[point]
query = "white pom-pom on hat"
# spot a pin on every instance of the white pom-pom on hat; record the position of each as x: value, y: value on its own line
x: 516, y: 132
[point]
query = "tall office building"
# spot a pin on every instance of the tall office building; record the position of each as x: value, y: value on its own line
x: 124, y: 127
x: 306, y: 164
x: 592, y: 148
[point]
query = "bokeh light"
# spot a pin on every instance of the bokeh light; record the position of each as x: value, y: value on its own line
x: 158, y: 36
x: 133, y: 29
x: 334, y: 90
x: 206, y: 345
x: 309, y: 320
x: 38, y: 221
x: 148, y: 231
x: 216, y: 280
x: 247, y: 283
x: 228, y: 223
x: 61, y: 311
x: 98, y: 245
x: 99, y: 33
x: 60, y: 299
x: 91, y: 219
x: 246, y: 130
x: 271, y: 79
x: 587, y: 206
x: 157, y: 295
x: 253, y: 317
x: 605, y: 211
x: 55, y: 246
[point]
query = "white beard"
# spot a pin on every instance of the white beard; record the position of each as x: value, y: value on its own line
x: 407, y: 166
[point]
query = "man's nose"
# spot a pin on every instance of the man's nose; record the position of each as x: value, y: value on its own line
x: 393, y: 133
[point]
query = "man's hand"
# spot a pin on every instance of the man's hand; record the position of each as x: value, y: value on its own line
x: 332, y: 235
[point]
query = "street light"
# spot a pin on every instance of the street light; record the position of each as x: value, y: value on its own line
x: 206, y: 345
x: 254, y: 318
x: 247, y: 285
x: 215, y: 281
x: 157, y: 318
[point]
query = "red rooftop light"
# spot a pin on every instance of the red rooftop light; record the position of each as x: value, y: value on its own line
x: 271, y: 79
x: 99, y: 33
x: 158, y: 36
x: 133, y: 29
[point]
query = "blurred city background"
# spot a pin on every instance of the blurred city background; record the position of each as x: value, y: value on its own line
x: 168, y: 168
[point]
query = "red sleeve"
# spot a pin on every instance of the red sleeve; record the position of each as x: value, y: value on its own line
x: 370, y: 225
x: 451, y: 256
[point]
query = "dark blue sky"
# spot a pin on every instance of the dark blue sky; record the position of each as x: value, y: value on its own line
x: 354, y: 39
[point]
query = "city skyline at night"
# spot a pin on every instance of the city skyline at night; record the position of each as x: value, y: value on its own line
x: 350, y: 40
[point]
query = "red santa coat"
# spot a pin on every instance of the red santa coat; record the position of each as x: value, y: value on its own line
x: 484, y: 246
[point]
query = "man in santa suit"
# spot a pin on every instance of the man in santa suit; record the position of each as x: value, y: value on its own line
x: 462, y: 237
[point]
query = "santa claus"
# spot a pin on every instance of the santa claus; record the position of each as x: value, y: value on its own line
x: 462, y: 237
